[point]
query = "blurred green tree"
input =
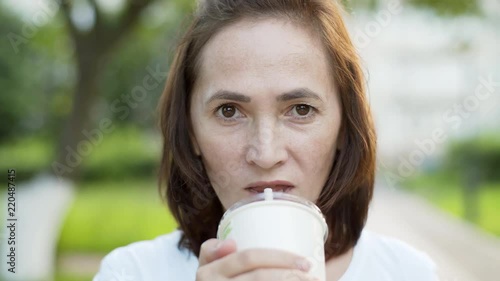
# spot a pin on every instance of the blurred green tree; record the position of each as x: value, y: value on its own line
x: 449, y: 7
x: 35, y: 77
x: 11, y: 91
x: 474, y: 161
x: 480, y: 153
x: 94, y: 46
x: 38, y: 75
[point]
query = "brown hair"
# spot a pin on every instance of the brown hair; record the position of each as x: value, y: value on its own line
x: 183, y: 183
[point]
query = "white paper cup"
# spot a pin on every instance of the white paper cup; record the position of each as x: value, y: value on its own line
x: 278, y: 220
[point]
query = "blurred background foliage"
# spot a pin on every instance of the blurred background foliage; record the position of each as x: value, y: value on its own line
x: 479, y: 154
x: 466, y: 183
x: 449, y: 7
x: 117, y: 187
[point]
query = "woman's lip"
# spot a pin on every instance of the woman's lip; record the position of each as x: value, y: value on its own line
x: 284, y: 189
x: 263, y: 184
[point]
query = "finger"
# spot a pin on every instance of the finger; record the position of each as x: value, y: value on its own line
x: 251, y: 259
x: 207, y: 251
x: 275, y: 275
x: 214, y: 249
x: 228, y: 247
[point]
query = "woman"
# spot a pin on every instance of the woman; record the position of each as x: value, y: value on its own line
x: 266, y: 93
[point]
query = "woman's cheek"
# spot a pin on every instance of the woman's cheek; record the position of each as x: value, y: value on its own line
x: 222, y: 164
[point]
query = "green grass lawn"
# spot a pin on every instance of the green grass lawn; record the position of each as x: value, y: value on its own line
x: 125, y: 152
x: 446, y: 192
x: 489, y: 217
x: 71, y: 277
x: 106, y: 215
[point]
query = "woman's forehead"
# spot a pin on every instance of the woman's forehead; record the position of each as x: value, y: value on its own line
x: 267, y: 48
x: 267, y: 43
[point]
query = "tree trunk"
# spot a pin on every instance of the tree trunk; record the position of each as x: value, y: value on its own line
x: 91, y: 49
x: 73, y: 145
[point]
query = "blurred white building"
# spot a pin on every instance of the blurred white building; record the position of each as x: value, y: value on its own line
x: 428, y: 75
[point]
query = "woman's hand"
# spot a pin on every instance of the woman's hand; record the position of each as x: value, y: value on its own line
x: 220, y: 261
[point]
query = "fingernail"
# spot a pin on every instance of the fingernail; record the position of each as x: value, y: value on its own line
x: 304, y: 265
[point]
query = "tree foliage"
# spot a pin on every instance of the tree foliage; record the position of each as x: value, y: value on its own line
x: 449, y: 7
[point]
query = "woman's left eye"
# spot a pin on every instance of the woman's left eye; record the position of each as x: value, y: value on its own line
x: 302, y: 111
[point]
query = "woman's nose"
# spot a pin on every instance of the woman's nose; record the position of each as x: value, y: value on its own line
x: 266, y: 148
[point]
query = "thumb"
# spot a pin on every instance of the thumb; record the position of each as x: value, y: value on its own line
x: 214, y: 249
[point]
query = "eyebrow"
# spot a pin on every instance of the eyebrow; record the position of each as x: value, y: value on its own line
x: 228, y: 95
x: 298, y: 93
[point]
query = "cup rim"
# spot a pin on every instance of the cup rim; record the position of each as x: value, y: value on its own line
x: 277, y: 196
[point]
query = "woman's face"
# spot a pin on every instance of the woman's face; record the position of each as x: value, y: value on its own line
x: 265, y: 111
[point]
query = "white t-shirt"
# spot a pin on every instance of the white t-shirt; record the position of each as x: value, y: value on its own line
x: 375, y: 258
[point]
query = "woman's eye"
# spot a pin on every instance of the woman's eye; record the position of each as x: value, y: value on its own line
x: 302, y: 109
x: 228, y: 111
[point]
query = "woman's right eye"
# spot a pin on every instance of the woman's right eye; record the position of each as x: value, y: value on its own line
x: 228, y: 112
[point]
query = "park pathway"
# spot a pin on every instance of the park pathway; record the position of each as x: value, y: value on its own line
x: 461, y: 251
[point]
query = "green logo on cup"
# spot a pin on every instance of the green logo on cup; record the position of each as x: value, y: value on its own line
x: 226, y: 231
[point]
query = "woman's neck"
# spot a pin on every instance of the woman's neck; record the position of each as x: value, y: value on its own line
x: 337, y: 266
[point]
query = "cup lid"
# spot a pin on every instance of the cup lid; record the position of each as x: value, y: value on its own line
x: 277, y: 196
